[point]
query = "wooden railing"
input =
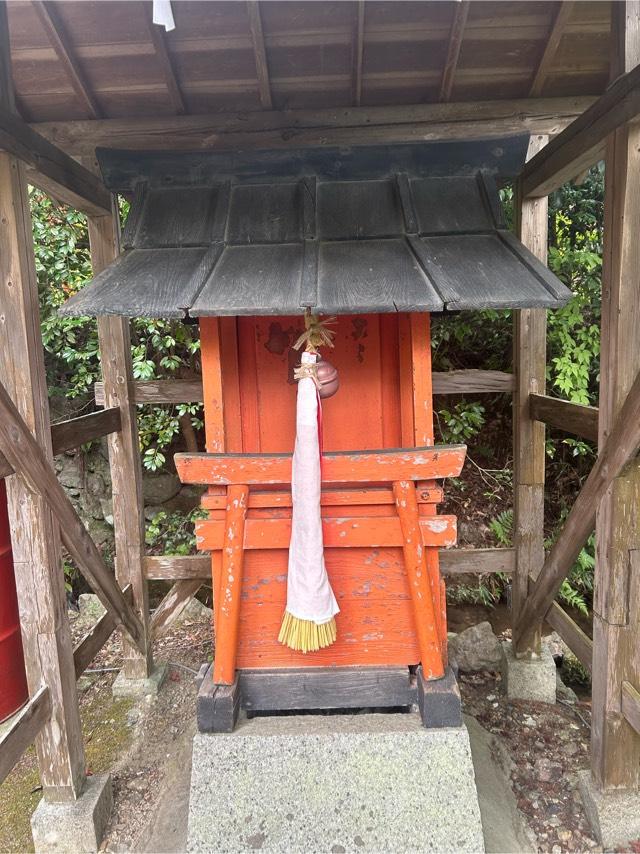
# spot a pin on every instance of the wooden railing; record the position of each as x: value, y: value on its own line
x: 23, y: 730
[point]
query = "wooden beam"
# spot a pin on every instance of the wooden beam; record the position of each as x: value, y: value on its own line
x: 530, y: 361
x: 86, y: 650
x: 24, y: 729
x: 578, y: 642
x: 452, y: 562
x: 190, y: 391
x: 630, y: 706
x: 260, y: 53
x: 29, y: 461
x: 75, y: 432
x: 615, y: 746
x: 461, y: 12
x: 582, y: 143
x: 322, y: 127
x: 159, y: 40
x: 55, y: 31
x: 564, y: 415
x: 54, y: 171
x: 114, y: 337
x: 36, y: 540
x: 560, y: 19
x: 357, y: 53
x: 618, y: 449
x: 173, y: 604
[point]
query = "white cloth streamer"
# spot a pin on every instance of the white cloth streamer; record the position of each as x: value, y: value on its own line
x: 163, y: 14
x: 309, y: 594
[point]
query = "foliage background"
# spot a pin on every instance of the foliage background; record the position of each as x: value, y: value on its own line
x: 467, y: 340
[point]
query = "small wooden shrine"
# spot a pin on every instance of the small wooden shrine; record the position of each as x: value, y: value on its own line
x: 379, y: 237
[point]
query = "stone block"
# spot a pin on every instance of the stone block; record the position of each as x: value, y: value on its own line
x: 439, y: 700
x: 74, y: 827
x: 529, y: 678
x: 614, y: 815
x: 476, y: 648
x: 334, y: 783
x: 138, y: 688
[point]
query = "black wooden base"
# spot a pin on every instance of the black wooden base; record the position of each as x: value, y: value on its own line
x: 439, y: 700
x: 319, y: 688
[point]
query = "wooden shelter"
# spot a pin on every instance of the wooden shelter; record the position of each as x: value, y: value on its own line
x: 253, y: 77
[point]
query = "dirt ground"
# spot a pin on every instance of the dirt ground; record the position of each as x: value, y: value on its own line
x: 146, y: 746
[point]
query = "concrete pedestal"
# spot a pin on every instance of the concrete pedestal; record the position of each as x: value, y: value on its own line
x: 529, y: 678
x: 614, y: 815
x: 138, y: 688
x: 336, y: 783
x: 74, y: 827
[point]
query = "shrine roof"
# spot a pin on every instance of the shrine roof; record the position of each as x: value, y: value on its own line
x: 376, y: 229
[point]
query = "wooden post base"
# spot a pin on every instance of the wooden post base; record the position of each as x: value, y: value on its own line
x: 327, y: 688
x: 439, y: 700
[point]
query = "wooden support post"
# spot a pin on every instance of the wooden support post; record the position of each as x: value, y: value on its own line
x: 35, y: 535
x: 124, y: 452
x: 228, y: 609
x: 529, y: 361
x: 424, y: 608
x: 615, y: 746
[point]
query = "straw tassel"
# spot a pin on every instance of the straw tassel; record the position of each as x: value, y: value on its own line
x: 305, y: 635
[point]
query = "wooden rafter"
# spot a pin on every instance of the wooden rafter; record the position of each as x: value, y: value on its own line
x: 164, y: 59
x: 60, y: 43
x: 582, y: 143
x: 561, y: 17
x: 620, y: 446
x: 260, y: 53
x: 357, y: 51
x: 453, y: 52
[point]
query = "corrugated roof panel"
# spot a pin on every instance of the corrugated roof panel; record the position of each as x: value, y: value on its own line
x: 251, y: 280
x: 354, y: 275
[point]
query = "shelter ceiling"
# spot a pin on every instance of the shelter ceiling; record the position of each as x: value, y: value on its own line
x: 317, y: 55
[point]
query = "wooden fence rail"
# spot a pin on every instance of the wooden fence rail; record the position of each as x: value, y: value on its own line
x: 24, y: 730
x: 578, y: 642
x: 91, y: 644
x: 190, y: 391
x: 571, y: 417
x: 75, y: 432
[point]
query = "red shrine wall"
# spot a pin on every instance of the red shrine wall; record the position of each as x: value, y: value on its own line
x: 384, y: 401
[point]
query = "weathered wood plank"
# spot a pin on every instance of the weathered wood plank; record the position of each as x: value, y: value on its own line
x: 260, y: 53
x: 326, y: 688
x: 460, y: 14
x: 173, y: 604
x: 452, y: 562
x: 24, y: 730
x: 631, y: 705
x: 581, y: 144
x: 55, y: 31
x: 578, y: 642
x: 529, y: 358
x: 29, y: 461
x: 86, y: 649
x: 158, y: 39
x: 564, y: 415
x: 337, y: 467
x: 615, y: 747
x: 560, y: 19
x: 296, y: 128
x: 124, y: 454
x: 78, y: 431
x: 190, y: 391
x: 618, y: 449
x: 54, y: 171
x: 35, y: 535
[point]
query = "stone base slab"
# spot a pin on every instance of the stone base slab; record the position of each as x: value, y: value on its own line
x: 74, y: 827
x: 334, y: 783
x: 614, y: 815
x: 138, y: 688
x: 529, y: 678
